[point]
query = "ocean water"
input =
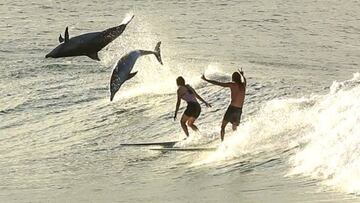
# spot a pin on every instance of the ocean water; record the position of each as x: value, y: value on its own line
x: 299, y: 138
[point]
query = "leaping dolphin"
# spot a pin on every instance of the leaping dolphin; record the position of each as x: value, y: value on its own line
x: 122, y: 71
x: 88, y: 44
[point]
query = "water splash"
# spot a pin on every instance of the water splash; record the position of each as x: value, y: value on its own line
x: 325, y: 128
x: 161, y: 80
x: 152, y: 78
x: 333, y: 150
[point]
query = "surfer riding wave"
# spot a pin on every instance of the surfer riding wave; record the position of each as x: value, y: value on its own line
x: 193, y: 109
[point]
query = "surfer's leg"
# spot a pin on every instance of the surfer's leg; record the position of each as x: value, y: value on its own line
x: 183, y: 120
x: 191, y: 124
x: 222, y: 132
x: 234, y: 127
x: 235, y: 120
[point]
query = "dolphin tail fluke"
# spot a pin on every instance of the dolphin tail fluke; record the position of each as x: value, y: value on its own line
x: 94, y: 56
x: 157, y: 53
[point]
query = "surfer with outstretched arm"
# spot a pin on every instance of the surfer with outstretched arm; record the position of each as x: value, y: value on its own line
x: 193, y: 109
x: 234, y: 111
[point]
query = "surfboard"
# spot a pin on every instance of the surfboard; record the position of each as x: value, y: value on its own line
x: 185, y: 149
x: 164, y: 144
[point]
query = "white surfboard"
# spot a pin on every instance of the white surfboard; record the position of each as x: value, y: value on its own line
x: 185, y: 149
x: 164, y: 144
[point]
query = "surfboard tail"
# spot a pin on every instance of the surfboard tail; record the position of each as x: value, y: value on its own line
x: 157, y: 53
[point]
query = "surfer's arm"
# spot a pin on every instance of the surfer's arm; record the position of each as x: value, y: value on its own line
x: 242, y: 74
x: 222, y: 84
x: 177, y: 105
x: 200, y: 98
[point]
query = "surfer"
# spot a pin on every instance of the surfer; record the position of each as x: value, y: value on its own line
x: 234, y: 111
x: 193, y: 109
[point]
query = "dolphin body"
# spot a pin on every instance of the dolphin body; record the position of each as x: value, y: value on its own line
x: 122, y: 70
x: 88, y: 44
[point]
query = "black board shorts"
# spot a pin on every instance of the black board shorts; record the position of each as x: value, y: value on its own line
x: 193, y: 109
x: 233, y: 115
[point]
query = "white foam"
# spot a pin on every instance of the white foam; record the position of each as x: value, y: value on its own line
x: 333, y: 150
x: 326, y: 129
x: 277, y: 123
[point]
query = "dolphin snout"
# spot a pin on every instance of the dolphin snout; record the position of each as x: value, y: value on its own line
x: 50, y: 55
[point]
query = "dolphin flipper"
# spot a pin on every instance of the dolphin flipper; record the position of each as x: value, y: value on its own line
x: 61, y: 39
x: 131, y: 75
x: 94, y: 56
x: 66, y: 34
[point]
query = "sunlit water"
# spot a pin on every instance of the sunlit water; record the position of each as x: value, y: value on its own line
x: 298, y: 141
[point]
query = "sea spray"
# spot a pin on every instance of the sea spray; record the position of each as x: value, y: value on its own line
x: 332, y: 153
x: 155, y: 79
x: 325, y: 130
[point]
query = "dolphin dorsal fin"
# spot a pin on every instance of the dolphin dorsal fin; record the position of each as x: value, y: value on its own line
x: 61, y: 39
x: 66, y: 34
x: 131, y: 75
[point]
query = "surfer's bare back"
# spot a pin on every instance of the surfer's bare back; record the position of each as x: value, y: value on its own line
x: 234, y: 111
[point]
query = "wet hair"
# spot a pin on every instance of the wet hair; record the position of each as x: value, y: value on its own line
x: 180, y: 81
x: 236, y: 78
